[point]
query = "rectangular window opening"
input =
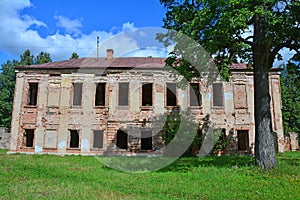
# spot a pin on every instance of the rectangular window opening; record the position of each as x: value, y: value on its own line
x: 243, y: 139
x: 77, y: 94
x: 32, y: 94
x: 55, y: 74
x: 74, y: 138
x: 195, y: 95
x: 122, y: 139
x: 146, y: 140
x: 222, y: 138
x: 29, y: 137
x: 100, y: 95
x: 147, y: 94
x: 218, y: 97
x: 98, y: 139
x: 123, y: 94
x: 171, y: 94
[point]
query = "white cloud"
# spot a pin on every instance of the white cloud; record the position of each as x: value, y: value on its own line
x: 17, y: 35
x: 248, y: 33
x: 148, y: 51
x: 71, y: 26
x: 286, y: 55
x: 10, y: 8
x: 128, y: 26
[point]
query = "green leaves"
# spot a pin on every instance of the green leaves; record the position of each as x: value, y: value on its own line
x: 74, y: 56
x: 7, y: 85
x: 28, y: 59
x: 43, y: 57
x: 8, y: 79
x: 220, y: 27
x: 290, y: 84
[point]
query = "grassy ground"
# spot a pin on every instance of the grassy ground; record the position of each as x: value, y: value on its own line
x: 77, y: 177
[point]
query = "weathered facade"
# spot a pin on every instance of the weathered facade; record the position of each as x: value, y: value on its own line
x: 86, y: 106
x: 4, y: 138
x: 291, y: 142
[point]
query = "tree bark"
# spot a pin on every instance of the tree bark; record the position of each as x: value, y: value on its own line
x: 264, y: 138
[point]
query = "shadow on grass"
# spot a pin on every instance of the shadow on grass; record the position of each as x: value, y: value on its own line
x: 186, y: 163
x: 287, y: 160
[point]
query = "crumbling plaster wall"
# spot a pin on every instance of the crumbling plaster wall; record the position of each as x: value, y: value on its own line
x: 54, y: 113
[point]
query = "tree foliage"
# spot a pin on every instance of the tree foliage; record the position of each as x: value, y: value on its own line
x: 290, y: 84
x: 26, y: 58
x: 176, y: 121
x: 7, y: 82
x: 7, y: 86
x: 43, y: 57
x: 74, y: 56
x: 241, y: 31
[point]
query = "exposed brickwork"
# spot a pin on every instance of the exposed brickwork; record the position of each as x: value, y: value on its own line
x: 54, y: 115
x: 291, y: 142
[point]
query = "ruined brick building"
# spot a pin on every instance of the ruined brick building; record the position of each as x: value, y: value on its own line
x: 84, y: 106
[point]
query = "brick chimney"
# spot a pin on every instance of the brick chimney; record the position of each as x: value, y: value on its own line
x: 109, y: 54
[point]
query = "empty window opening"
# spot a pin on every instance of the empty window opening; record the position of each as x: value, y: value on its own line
x: 98, y: 139
x: 55, y: 74
x: 122, y: 139
x: 123, y: 94
x: 29, y: 137
x: 146, y: 140
x: 77, y: 94
x: 147, y: 94
x: 100, y: 95
x: 243, y: 139
x: 222, y: 141
x: 218, y: 99
x: 32, y: 94
x: 74, y: 139
x: 171, y: 94
x: 195, y: 95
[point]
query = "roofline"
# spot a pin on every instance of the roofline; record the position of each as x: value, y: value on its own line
x: 118, y: 63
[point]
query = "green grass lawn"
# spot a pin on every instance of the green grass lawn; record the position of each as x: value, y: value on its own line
x: 79, y: 177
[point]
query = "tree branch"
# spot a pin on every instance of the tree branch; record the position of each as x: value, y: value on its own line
x: 250, y: 21
x: 245, y: 40
x: 287, y: 44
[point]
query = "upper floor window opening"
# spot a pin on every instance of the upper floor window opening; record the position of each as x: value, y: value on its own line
x: 77, y: 94
x: 100, y: 94
x: 171, y: 99
x: 32, y: 94
x: 123, y: 94
x: 195, y: 95
x: 218, y: 94
x: 147, y: 94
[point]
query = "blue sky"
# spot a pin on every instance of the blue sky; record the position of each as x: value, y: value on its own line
x: 61, y: 27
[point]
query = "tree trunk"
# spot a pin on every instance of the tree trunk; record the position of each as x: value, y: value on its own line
x: 264, y: 139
